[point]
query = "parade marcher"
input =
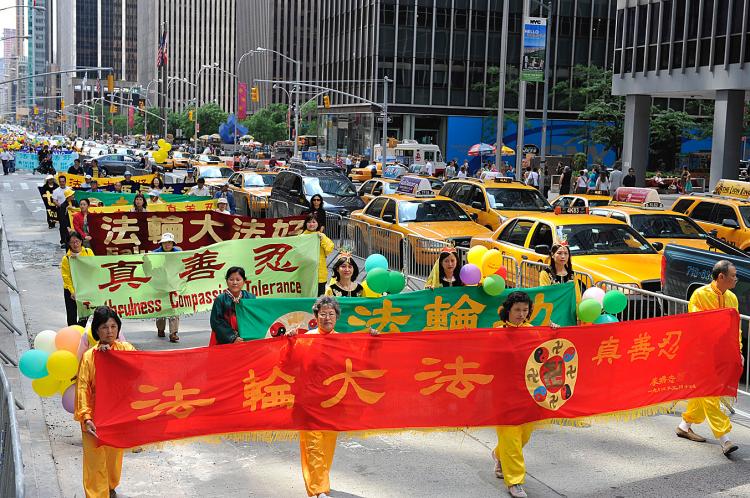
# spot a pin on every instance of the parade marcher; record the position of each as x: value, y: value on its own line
x: 228, y: 195
x: 222, y: 206
x: 317, y: 448
x: 60, y: 198
x: 128, y: 185
x: 86, y: 181
x: 345, y: 273
x: 317, y: 210
x: 76, y: 169
x: 560, y: 269
x: 94, y: 186
x: 139, y: 203
x: 49, y: 187
x: 615, y: 179
x: 629, y: 179
x: 117, y: 187
x: 200, y: 189
x: 445, y: 272
x: 224, y: 327
x: 326, y: 246
x: 716, y: 295
x: 157, y: 184
x: 81, y: 222
x: 75, y: 249
x: 102, y: 465
x: 154, y: 197
x: 167, y: 244
x: 582, y: 182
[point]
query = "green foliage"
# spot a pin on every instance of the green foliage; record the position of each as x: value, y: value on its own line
x: 268, y: 125
x: 580, y: 161
x: 309, y: 118
x: 666, y: 130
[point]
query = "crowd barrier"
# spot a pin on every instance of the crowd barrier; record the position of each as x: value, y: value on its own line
x: 11, y: 463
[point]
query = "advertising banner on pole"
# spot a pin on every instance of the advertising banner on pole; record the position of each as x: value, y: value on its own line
x: 534, y: 41
x: 242, y: 108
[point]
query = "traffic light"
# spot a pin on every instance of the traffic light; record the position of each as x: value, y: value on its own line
x: 111, y: 83
x: 254, y: 95
x: 36, y: 110
x: 135, y: 100
x: 62, y: 104
x: 190, y: 115
x: 326, y: 101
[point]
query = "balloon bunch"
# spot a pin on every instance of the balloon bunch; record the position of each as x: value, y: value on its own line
x: 595, y: 301
x: 164, y: 147
x: 380, y: 279
x: 53, y: 363
x: 486, y: 267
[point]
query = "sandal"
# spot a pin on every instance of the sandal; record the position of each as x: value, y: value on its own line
x: 498, y: 467
x: 174, y: 338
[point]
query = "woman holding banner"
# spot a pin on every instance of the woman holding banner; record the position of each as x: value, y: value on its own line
x: 75, y: 249
x: 102, y: 465
x: 224, y: 328
x: 81, y: 222
x: 326, y: 247
x: 167, y: 244
x: 446, y: 272
x: 139, y: 203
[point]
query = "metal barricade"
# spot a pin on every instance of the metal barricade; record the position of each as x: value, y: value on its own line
x: 529, y: 273
x: 11, y: 463
x: 277, y: 208
x: 257, y: 206
x: 420, y: 255
x: 364, y: 239
x: 333, y: 225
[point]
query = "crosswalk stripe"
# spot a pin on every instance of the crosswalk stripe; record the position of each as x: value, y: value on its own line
x: 6, y: 186
x: 24, y: 186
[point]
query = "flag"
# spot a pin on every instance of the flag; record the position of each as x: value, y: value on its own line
x: 131, y: 117
x: 242, y: 110
x: 161, y: 55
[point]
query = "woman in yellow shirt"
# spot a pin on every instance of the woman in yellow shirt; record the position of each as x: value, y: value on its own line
x: 75, y: 249
x: 326, y: 247
x: 102, y: 465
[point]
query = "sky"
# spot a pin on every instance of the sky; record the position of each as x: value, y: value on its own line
x: 7, y: 17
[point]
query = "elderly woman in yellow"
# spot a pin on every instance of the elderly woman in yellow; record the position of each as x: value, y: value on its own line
x: 446, y: 271
x: 317, y: 447
x: 560, y: 269
x: 75, y: 249
x: 326, y: 246
x: 102, y: 465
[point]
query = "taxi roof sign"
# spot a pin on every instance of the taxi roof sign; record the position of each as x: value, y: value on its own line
x: 733, y: 188
x: 645, y: 197
x: 414, y: 185
x: 393, y: 171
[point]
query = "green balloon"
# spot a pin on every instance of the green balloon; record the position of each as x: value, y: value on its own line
x: 614, y: 302
x: 378, y: 280
x: 396, y: 282
x: 589, y: 310
x: 493, y: 285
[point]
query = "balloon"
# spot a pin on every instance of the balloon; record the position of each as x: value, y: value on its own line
x: 494, y: 285
x: 502, y: 271
x: 161, y: 142
x: 375, y: 261
x: 396, y: 282
x: 90, y: 336
x: 64, y: 384
x: 491, y: 261
x: 79, y: 329
x: 589, y: 310
x: 474, y: 256
x: 69, y: 399
x: 594, y: 293
x: 378, y: 280
x: 62, y: 365
x: 367, y: 292
x: 470, y: 274
x: 614, y: 302
x: 33, y: 363
x: 46, y: 386
x: 160, y: 156
x: 67, y: 339
x: 166, y: 147
x: 606, y: 318
x: 45, y: 341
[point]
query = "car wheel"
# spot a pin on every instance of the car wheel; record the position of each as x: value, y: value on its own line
x: 103, y: 172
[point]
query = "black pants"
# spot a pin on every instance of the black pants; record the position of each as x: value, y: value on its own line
x: 62, y: 217
x: 71, y: 311
x: 5, y: 167
x: 321, y: 288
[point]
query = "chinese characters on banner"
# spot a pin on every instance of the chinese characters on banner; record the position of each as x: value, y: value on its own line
x: 131, y: 233
x: 448, y: 308
x: 475, y: 378
x: 170, y: 188
x: 49, y: 206
x: 186, y: 282
x: 78, y: 180
x: 115, y: 199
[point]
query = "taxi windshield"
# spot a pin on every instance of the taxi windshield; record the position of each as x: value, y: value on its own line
x: 329, y: 187
x: 525, y: 199
x: 258, y: 180
x: 389, y: 188
x: 216, y: 172
x: 598, y: 202
x: 432, y: 210
x: 666, y: 225
x: 604, y: 239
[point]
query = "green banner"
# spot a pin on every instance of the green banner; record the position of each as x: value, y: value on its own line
x: 185, y: 282
x: 117, y: 199
x: 452, y: 308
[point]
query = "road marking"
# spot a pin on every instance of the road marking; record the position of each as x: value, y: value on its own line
x: 24, y: 186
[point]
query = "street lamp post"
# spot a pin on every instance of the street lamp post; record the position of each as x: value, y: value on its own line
x: 296, y: 99
x: 237, y: 100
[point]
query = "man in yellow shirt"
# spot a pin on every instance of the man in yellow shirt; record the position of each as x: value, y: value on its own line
x: 715, y: 295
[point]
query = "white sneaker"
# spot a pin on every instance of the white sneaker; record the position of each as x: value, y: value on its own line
x: 516, y: 491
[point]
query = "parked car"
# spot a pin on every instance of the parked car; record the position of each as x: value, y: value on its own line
x: 293, y: 188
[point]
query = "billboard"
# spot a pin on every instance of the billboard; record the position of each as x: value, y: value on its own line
x: 534, y: 43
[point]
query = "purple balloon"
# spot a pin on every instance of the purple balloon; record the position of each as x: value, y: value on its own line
x: 470, y: 274
x: 69, y: 399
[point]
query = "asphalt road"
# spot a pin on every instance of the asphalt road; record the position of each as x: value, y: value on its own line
x: 617, y: 459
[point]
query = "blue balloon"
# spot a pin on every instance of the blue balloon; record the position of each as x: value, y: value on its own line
x: 33, y: 363
x: 606, y: 318
x: 375, y: 261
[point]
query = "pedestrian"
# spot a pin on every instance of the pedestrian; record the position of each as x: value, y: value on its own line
x: 582, y: 182
x: 629, y: 179
x: 559, y: 269
x: 565, y: 179
x: 128, y: 185
x: 344, y: 282
x: 532, y: 178
x: 326, y: 246
x: 200, y: 189
x: 139, y: 204
x: 12, y: 161
x: 464, y: 172
x: 593, y: 177
x: 450, y: 171
x: 716, y: 295
x: 75, y: 250
x: 167, y: 244
x: 446, y: 272
x: 429, y: 168
x: 317, y: 210
x: 602, y: 183
x: 60, y: 198
x: 76, y: 169
x: 228, y: 196
x: 615, y: 179
x: 317, y: 448
x: 686, y: 183
x: 546, y: 182
x: 224, y: 327
x: 102, y: 465
x: 81, y: 222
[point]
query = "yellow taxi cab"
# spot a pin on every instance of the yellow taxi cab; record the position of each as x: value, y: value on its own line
x: 596, y: 198
x: 726, y: 212
x: 649, y: 218
x: 386, y: 186
x: 251, y: 190
x: 415, y: 212
x: 214, y: 175
x: 604, y: 248
x: 370, y: 171
x: 178, y: 159
x: 207, y: 160
x: 494, y: 200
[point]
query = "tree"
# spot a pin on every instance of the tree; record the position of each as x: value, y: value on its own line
x: 309, y: 118
x: 269, y: 124
x: 154, y: 124
x: 666, y: 130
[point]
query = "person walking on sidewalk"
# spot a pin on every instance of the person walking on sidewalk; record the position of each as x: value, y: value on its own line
x: 716, y: 295
x: 166, y: 244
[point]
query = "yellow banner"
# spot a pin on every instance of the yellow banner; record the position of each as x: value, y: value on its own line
x: 78, y: 180
x: 173, y: 207
x: 733, y: 188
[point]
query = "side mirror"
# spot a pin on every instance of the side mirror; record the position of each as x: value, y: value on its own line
x: 542, y: 249
x: 729, y: 223
x: 388, y: 218
x: 477, y: 205
x: 658, y: 245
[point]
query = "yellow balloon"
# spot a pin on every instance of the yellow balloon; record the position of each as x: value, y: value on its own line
x: 475, y: 254
x: 64, y: 384
x: 62, y: 365
x: 80, y: 329
x: 90, y: 336
x: 46, y: 386
x: 160, y: 156
x: 491, y: 262
x: 161, y: 142
x: 166, y: 147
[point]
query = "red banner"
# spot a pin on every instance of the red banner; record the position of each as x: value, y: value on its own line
x: 131, y: 117
x: 132, y: 233
x: 353, y: 382
x: 242, y: 108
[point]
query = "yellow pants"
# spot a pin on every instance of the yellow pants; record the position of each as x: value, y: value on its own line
x: 708, y: 409
x: 509, y: 450
x: 102, y: 467
x: 316, y: 450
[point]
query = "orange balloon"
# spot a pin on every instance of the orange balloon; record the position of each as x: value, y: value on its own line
x: 68, y: 339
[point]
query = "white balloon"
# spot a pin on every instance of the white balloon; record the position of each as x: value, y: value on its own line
x: 45, y: 341
x: 594, y: 293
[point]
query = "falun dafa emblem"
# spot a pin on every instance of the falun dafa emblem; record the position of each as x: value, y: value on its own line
x: 551, y: 373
